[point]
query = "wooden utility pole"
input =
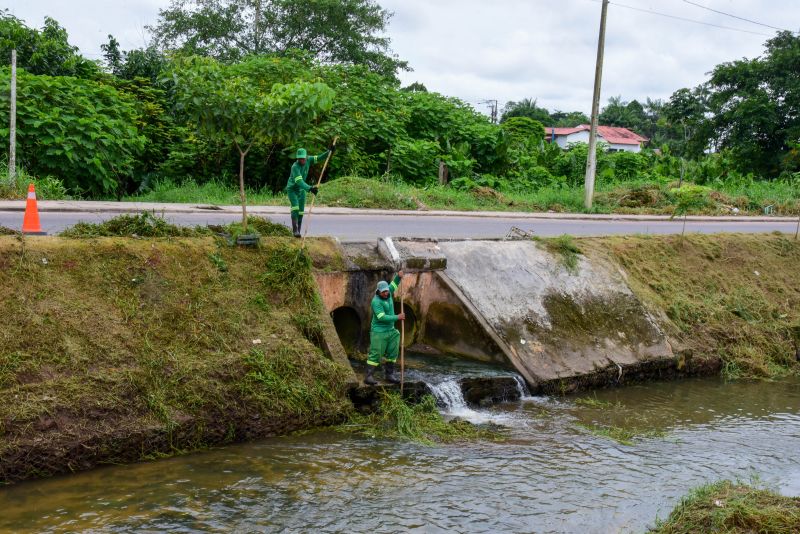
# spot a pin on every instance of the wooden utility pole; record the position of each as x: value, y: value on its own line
x: 12, y: 141
x: 591, y: 161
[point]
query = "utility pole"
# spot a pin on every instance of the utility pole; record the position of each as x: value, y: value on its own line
x: 12, y: 142
x: 493, y: 108
x: 591, y: 161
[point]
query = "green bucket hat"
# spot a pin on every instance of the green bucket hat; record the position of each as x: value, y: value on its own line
x: 382, y: 286
x: 301, y: 153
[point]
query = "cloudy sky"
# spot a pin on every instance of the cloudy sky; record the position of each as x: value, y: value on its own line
x: 510, y: 49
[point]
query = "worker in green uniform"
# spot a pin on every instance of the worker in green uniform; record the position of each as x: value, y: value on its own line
x: 296, y: 186
x: 384, y: 339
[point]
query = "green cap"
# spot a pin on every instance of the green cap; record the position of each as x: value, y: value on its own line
x: 382, y: 286
x: 301, y: 153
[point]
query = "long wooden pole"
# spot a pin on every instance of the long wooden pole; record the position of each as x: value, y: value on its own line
x: 402, y: 345
x: 319, y: 181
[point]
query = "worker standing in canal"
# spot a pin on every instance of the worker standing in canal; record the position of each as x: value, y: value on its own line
x: 384, y: 339
x: 296, y: 186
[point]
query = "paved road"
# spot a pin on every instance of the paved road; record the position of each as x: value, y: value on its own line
x: 372, y: 226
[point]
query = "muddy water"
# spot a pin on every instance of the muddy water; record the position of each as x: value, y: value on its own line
x: 551, y: 475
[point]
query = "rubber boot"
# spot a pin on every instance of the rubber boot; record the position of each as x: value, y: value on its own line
x: 368, y: 378
x: 299, y: 224
x: 295, y: 227
x: 388, y: 371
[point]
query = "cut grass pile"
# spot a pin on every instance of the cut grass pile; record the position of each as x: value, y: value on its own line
x: 734, y: 299
x: 115, y: 350
x: 146, y: 224
x: 732, y: 508
x: 421, y: 422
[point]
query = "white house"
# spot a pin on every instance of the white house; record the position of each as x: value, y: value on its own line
x: 616, y: 138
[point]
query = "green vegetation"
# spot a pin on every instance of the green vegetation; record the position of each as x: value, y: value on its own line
x: 565, y: 247
x: 734, y: 509
x: 421, y: 422
x: 623, y: 435
x: 147, y: 347
x: 594, y: 402
x: 172, y: 127
x: 734, y: 300
x: 144, y: 224
x: 147, y: 224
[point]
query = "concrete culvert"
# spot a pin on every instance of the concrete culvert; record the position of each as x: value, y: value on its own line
x: 411, y: 322
x: 348, y: 327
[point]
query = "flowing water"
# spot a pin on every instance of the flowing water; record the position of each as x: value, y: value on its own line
x: 552, y: 474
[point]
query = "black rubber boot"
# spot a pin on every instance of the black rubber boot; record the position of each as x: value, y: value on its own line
x: 299, y: 224
x: 295, y: 227
x: 388, y: 370
x: 368, y: 378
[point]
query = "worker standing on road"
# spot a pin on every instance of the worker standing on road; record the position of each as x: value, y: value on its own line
x: 384, y: 339
x: 296, y: 186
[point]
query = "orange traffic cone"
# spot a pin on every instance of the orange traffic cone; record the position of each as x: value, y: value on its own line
x: 30, y: 224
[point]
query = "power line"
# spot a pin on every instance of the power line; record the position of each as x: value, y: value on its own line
x: 736, y: 17
x: 684, y: 19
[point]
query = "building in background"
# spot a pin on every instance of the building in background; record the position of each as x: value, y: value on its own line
x: 617, y: 139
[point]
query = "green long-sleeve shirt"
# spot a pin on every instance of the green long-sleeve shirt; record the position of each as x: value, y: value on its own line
x: 383, y: 317
x: 297, y: 178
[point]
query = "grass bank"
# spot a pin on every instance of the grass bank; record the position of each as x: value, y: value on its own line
x: 732, y: 300
x: 732, y: 508
x: 636, y: 197
x: 117, y: 349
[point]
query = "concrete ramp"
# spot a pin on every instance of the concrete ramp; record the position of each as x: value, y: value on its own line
x: 559, y: 328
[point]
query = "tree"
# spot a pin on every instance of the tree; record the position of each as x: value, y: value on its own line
x: 139, y: 63
x: 755, y: 106
x: 46, y: 51
x: 233, y: 101
x: 525, y: 108
x: 333, y: 31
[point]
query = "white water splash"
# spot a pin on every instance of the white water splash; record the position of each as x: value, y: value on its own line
x: 522, y: 388
x: 449, y: 394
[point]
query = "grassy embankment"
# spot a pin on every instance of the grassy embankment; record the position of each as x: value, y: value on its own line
x: 733, y: 300
x: 631, y: 197
x: 732, y: 508
x: 119, y: 349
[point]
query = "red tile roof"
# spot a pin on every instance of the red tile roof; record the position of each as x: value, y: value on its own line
x: 611, y: 134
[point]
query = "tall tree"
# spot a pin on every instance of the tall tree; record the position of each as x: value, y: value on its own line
x: 333, y: 31
x: 138, y: 63
x: 527, y: 107
x: 755, y: 105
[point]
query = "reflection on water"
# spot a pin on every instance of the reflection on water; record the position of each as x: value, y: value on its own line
x: 550, y: 476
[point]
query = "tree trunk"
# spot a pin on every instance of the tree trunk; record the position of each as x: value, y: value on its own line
x: 241, y: 191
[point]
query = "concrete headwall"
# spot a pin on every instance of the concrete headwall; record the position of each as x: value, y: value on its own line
x: 556, y: 324
x: 512, y: 303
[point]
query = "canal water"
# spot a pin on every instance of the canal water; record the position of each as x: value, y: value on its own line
x: 553, y: 472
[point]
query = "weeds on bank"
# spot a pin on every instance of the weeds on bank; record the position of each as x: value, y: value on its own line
x: 733, y: 299
x: 732, y: 508
x: 565, y: 247
x: 422, y: 423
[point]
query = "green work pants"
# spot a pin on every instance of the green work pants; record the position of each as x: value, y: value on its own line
x: 383, y: 344
x: 298, y: 201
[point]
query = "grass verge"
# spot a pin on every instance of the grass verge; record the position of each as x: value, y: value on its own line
x: 635, y: 197
x: 732, y: 508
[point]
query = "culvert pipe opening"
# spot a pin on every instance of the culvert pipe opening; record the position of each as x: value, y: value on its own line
x: 348, y: 326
